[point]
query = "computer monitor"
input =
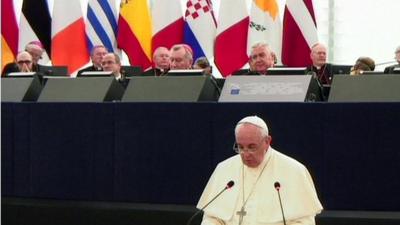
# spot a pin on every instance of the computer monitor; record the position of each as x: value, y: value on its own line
x: 54, y: 70
x: 96, y: 74
x: 193, y: 72
x: 130, y: 71
x: 287, y: 71
x: 21, y: 74
x: 341, y: 69
x: 373, y: 73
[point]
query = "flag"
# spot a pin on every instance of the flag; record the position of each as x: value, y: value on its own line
x: 231, y: 40
x: 69, y: 46
x: 200, y: 28
x: 101, y: 24
x: 299, y: 33
x: 9, y: 33
x: 265, y: 25
x: 134, y: 32
x: 167, y: 23
x: 35, y: 25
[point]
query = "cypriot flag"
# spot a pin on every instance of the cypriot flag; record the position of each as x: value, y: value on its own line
x: 265, y: 25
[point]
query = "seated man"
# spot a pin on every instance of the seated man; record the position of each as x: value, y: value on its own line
x: 258, y: 172
x: 161, y: 62
x: 96, y: 55
x: 362, y: 64
x: 202, y: 63
x: 112, y: 62
x: 35, y: 49
x: 260, y: 59
x: 321, y: 69
x: 23, y: 63
x: 181, y: 57
x: 390, y: 69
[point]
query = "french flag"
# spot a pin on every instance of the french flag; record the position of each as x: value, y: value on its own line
x: 200, y: 28
x: 231, y: 40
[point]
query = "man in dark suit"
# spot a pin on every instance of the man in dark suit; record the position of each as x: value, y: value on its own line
x: 322, y: 69
x: 390, y: 69
x: 23, y: 63
x: 161, y: 62
x: 35, y: 49
x: 261, y: 59
x: 96, y: 55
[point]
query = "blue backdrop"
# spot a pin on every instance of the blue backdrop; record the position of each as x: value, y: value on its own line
x: 165, y: 152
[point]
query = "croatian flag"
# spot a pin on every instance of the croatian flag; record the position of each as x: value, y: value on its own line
x: 200, y: 28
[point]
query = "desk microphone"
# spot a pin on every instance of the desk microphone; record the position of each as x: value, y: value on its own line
x: 277, y: 186
x: 228, y: 185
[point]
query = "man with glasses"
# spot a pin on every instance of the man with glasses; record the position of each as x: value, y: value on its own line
x: 258, y: 172
x: 35, y: 49
x: 23, y: 63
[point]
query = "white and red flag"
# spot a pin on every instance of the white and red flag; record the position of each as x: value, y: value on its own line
x: 231, y: 41
x: 299, y: 32
x: 168, y: 23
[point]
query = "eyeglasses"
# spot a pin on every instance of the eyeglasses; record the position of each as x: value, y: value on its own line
x: 240, y: 150
x: 24, y: 62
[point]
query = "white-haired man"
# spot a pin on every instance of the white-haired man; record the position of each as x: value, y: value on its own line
x: 258, y: 171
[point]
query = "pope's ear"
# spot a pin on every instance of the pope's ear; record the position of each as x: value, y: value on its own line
x: 268, y: 139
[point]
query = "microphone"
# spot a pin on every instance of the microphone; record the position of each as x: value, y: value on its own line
x: 277, y: 186
x: 228, y: 185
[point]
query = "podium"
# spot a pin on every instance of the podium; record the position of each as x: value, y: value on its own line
x: 365, y: 88
x: 18, y: 89
x: 85, y: 89
x: 171, y: 89
x: 286, y: 88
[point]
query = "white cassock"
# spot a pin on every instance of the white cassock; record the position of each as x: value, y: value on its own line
x: 299, y: 198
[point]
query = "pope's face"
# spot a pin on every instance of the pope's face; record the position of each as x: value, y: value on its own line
x: 252, y: 144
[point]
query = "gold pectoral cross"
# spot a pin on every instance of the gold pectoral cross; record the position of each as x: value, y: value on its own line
x: 241, y: 214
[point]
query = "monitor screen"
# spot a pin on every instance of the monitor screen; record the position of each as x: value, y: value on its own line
x: 193, y: 72
x: 341, y: 69
x: 373, y: 73
x: 287, y: 71
x: 96, y: 74
x: 21, y: 74
x: 54, y: 70
x: 130, y: 71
